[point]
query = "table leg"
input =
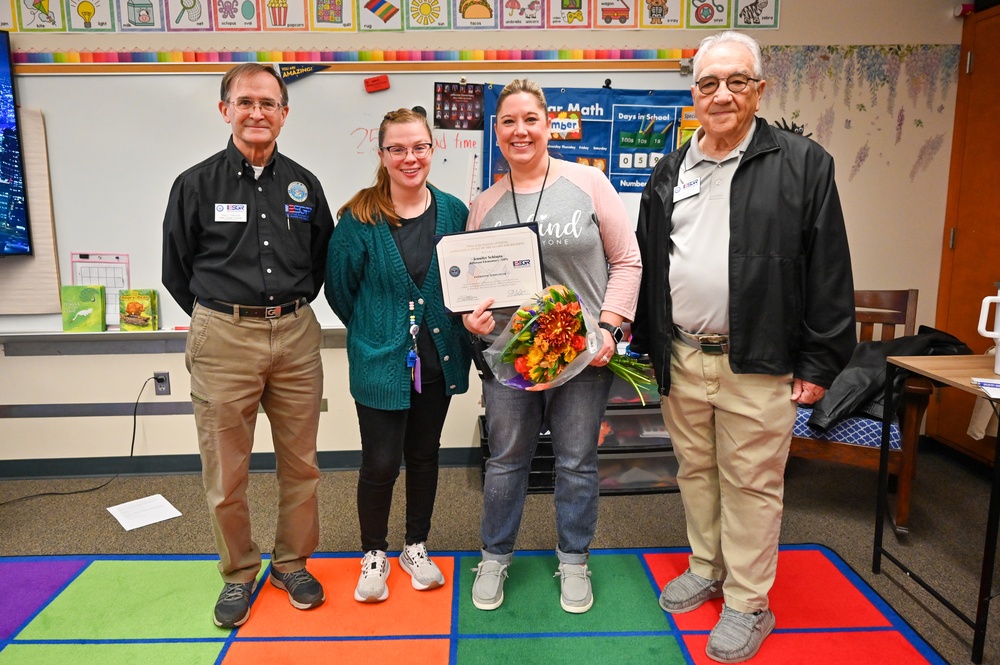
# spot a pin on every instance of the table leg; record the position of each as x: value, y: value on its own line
x: 883, y: 469
x: 989, y: 558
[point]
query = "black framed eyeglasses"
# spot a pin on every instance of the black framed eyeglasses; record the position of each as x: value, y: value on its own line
x: 419, y: 151
x: 708, y: 85
x: 247, y: 105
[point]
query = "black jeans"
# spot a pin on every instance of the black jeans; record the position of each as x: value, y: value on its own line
x: 387, y: 437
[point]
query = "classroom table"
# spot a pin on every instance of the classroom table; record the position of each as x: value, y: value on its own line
x: 955, y: 372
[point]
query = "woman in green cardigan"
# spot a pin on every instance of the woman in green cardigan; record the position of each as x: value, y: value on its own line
x: 407, y: 356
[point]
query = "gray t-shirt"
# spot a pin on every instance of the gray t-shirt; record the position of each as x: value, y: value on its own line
x: 587, y: 241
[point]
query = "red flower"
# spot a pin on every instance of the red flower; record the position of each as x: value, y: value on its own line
x: 579, y: 342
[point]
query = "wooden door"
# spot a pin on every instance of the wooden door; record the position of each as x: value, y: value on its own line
x: 970, y: 263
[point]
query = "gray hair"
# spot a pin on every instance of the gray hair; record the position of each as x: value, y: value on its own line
x: 730, y: 37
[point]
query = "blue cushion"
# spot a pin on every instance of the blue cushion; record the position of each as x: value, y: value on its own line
x: 858, y: 431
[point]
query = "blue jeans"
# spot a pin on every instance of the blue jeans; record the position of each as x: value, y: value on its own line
x: 572, y: 412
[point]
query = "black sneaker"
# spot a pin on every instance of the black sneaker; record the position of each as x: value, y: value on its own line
x: 233, y: 607
x: 304, y: 591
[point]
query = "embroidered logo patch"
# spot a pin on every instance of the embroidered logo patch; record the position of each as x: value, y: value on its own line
x: 293, y: 211
x: 298, y: 191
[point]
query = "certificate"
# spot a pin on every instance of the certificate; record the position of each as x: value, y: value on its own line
x: 503, y: 263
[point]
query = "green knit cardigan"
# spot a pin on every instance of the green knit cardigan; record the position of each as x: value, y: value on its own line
x: 369, y: 289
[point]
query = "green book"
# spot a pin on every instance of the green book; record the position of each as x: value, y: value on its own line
x: 83, y: 308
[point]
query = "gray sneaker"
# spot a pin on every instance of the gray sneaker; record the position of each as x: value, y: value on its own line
x: 487, y: 590
x: 688, y: 591
x: 576, y: 596
x: 738, y: 636
x: 424, y: 573
x: 233, y: 607
x: 304, y: 591
x: 374, y: 573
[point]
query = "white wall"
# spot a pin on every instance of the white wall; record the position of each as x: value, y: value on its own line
x: 69, y: 379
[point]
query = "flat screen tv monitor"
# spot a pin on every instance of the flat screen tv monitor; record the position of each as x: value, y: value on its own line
x: 15, y: 233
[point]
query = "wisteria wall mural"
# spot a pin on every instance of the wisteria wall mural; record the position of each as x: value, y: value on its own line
x: 871, y: 104
x: 886, y: 113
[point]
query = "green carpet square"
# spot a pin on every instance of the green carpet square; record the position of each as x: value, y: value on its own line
x: 624, y: 599
x: 110, y: 654
x: 133, y: 600
x: 662, y: 650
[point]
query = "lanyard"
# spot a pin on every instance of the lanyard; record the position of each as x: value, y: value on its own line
x: 412, y: 358
x: 513, y: 196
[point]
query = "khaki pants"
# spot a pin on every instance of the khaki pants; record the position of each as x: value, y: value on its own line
x: 237, y: 365
x: 731, y: 434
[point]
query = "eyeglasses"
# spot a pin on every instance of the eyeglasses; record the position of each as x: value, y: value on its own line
x: 398, y: 152
x: 245, y: 105
x: 707, y: 85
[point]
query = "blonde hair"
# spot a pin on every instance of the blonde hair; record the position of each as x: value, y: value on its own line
x: 523, y: 85
x: 374, y: 203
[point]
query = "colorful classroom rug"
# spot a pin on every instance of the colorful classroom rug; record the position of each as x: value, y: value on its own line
x: 108, y: 610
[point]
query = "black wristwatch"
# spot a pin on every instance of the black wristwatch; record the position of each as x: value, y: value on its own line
x: 616, y: 332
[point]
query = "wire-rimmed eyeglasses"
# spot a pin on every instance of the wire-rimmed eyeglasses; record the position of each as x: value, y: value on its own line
x: 247, y: 105
x: 736, y: 83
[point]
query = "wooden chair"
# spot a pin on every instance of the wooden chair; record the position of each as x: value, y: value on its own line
x: 881, y: 316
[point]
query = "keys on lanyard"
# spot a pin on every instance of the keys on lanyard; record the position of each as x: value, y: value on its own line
x: 412, y: 357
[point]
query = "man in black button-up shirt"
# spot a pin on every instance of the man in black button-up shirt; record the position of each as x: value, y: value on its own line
x: 244, y: 251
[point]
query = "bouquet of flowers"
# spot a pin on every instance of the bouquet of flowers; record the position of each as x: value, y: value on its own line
x: 550, y: 339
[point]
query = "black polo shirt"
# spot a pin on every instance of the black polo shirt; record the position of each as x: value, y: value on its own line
x: 233, y: 238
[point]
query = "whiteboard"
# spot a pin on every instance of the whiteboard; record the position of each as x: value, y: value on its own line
x: 117, y: 142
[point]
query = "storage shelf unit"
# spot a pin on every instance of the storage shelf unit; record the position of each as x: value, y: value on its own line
x: 635, y: 454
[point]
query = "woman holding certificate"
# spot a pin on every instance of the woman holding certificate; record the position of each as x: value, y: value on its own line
x: 407, y: 357
x: 588, y: 245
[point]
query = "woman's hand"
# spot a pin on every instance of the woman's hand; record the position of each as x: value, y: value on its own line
x: 480, y: 321
x: 608, y: 349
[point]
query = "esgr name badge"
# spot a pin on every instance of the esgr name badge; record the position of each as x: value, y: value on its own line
x: 230, y: 212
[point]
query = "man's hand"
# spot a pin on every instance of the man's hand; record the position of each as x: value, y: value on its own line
x: 804, y: 392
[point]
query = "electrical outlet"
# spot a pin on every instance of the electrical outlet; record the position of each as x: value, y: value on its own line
x: 162, y: 382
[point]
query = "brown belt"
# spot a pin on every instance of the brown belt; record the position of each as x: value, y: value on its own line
x: 274, y: 312
x: 713, y: 344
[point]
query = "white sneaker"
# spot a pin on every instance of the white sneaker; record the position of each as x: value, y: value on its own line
x: 424, y: 573
x: 374, y: 573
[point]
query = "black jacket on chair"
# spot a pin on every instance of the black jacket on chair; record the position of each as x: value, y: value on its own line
x: 859, y: 389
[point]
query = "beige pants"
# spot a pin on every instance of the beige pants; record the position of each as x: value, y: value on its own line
x: 238, y: 365
x: 731, y: 434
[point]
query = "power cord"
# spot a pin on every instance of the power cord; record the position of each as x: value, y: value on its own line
x: 135, y: 412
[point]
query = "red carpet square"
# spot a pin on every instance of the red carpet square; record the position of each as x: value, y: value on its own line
x: 406, y: 612
x: 410, y: 652
x: 856, y: 648
x: 809, y: 592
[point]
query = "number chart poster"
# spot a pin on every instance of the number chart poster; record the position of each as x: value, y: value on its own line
x: 622, y: 132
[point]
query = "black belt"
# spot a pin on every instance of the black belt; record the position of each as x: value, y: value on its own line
x: 254, y: 312
x: 713, y: 344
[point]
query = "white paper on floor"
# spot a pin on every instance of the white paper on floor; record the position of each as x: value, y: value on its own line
x: 143, y: 512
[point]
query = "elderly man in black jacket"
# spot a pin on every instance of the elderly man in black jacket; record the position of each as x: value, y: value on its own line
x: 746, y: 308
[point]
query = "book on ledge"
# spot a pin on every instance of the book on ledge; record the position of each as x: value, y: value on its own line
x: 83, y: 308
